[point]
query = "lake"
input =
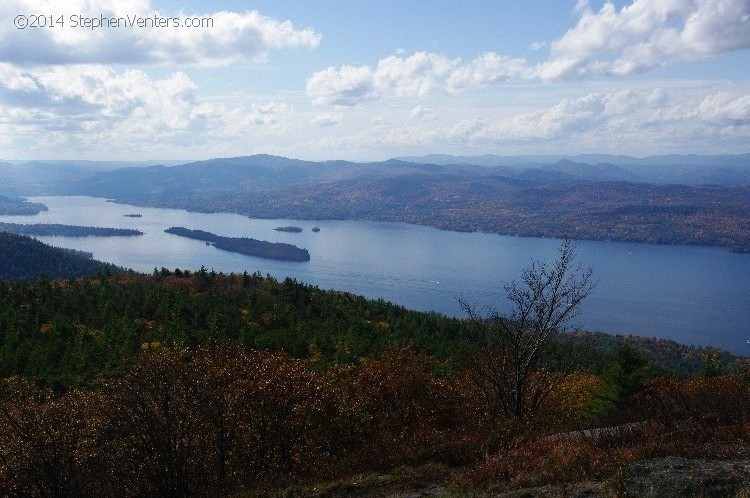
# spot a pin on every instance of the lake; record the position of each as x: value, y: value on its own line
x: 694, y: 295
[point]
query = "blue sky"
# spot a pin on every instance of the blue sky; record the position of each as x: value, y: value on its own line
x: 372, y: 80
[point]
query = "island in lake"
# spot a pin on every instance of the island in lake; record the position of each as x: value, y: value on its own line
x: 245, y: 245
x: 57, y: 230
x: 133, y: 215
x: 288, y: 229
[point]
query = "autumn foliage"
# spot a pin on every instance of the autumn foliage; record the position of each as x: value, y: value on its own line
x: 212, y: 421
x: 208, y: 385
x: 216, y: 421
x: 694, y: 417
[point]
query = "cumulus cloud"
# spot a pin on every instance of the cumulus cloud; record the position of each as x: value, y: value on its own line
x: 327, y: 120
x: 638, y: 37
x: 647, y: 34
x: 581, y: 5
x: 93, y: 93
x: 266, y: 114
x: 233, y: 37
x: 346, y: 85
x: 628, y: 118
x: 626, y: 121
x: 725, y: 109
x: 487, y: 69
x: 412, y: 76
x: 422, y: 112
x: 93, y: 107
x: 567, y: 117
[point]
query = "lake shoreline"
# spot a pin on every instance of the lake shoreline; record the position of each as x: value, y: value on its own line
x: 438, y: 226
x: 690, y: 294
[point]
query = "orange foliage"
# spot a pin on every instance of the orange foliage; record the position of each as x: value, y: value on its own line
x: 694, y: 418
x: 720, y: 400
x: 566, y: 405
x: 544, y: 461
x: 49, y: 446
x: 225, y: 421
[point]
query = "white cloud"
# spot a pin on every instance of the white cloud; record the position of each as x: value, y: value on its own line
x: 265, y: 114
x: 487, y: 69
x: 647, y: 34
x: 638, y: 37
x: 629, y: 119
x: 347, y: 85
x: 412, y: 76
x: 581, y: 5
x: 93, y: 93
x: 422, y: 112
x: 89, y: 109
x: 567, y: 117
x: 725, y: 109
x: 327, y: 120
x: 626, y: 121
x: 247, y: 36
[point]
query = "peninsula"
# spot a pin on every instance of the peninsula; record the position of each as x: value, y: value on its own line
x: 57, y: 230
x: 14, y: 207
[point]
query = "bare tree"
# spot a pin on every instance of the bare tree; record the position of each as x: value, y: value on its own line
x: 511, y: 367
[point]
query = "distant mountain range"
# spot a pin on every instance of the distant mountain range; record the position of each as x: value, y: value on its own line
x: 659, y: 199
x: 676, y: 169
x: 261, y: 172
x: 42, y: 177
x: 239, y: 174
x: 541, y: 160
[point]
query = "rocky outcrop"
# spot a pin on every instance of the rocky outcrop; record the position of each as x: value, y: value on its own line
x: 679, y: 477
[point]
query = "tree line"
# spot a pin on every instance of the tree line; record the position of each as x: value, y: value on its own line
x: 27, y: 259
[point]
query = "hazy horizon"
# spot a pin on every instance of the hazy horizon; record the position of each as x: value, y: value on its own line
x: 176, y: 162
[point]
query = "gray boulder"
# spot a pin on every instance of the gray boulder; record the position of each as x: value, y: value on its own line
x: 679, y: 477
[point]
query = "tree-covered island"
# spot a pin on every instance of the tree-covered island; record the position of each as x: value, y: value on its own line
x: 290, y: 229
x: 246, y: 245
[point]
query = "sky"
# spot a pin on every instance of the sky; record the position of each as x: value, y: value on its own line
x: 364, y: 80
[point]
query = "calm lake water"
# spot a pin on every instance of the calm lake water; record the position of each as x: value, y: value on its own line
x: 694, y: 295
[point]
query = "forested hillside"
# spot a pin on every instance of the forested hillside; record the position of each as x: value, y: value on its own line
x: 14, y: 206
x: 205, y: 384
x: 65, y: 333
x: 198, y: 383
x: 25, y: 258
x: 596, y: 202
